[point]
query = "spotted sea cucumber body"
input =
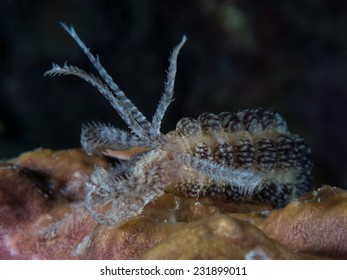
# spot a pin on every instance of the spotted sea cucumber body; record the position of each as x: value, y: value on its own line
x: 256, y: 140
x: 230, y: 155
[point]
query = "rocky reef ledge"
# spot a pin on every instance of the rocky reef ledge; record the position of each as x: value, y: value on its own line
x: 42, y: 216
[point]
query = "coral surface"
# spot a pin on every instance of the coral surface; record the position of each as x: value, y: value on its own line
x: 42, y: 216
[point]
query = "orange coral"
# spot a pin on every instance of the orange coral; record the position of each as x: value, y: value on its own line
x: 43, y: 217
x: 317, y: 223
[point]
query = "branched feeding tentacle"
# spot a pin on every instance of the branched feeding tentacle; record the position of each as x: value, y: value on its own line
x: 96, y: 138
x: 113, y: 201
x: 247, y: 180
x: 135, y: 120
x: 122, y: 110
x: 107, y: 198
x: 166, y: 98
x: 138, y: 118
x: 126, y: 109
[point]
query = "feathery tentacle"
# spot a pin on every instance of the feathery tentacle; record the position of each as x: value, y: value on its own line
x: 166, y: 98
x: 96, y: 138
x: 140, y: 120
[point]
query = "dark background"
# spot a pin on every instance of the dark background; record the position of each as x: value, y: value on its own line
x: 289, y: 55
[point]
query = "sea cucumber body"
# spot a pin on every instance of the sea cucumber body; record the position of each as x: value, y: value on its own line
x: 255, y: 140
x: 234, y: 155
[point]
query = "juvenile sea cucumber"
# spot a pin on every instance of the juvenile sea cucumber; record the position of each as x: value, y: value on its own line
x: 232, y: 155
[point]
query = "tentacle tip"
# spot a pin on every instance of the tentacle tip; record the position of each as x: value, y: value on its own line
x: 51, y: 72
x: 47, y: 73
x: 66, y: 27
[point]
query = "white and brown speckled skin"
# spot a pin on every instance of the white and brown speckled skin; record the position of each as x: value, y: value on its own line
x: 254, y: 141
